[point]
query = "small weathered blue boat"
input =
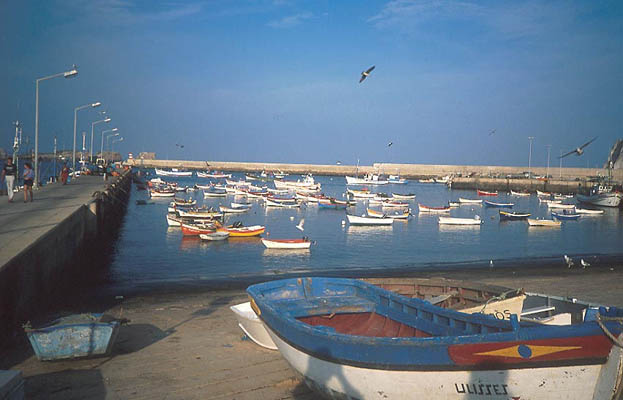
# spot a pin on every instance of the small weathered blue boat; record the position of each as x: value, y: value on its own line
x: 513, y: 216
x: 353, y: 340
x: 565, y: 216
x: 498, y: 205
x: 74, y: 336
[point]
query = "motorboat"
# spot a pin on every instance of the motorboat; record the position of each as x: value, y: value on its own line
x: 602, y: 195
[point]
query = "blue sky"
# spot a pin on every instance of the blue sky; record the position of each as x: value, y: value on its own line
x: 277, y: 80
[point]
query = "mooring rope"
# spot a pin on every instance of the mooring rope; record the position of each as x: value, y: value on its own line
x: 501, y: 296
x: 601, y: 318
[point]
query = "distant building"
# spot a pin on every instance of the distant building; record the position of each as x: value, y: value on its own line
x: 616, y: 156
x: 147, y: 155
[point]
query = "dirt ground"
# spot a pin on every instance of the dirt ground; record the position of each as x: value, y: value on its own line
x: 187, y: 345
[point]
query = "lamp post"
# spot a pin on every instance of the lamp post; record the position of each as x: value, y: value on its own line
x: 549, y: 147
x: 112, y: 144
x: 102, y: 146
x: 96, y: 104
x: 530, y: 138
x: 67, y: 74
x: 108, y: 137
x: 107, y: 120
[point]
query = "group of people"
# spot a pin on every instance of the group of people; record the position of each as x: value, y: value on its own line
x: 9, y: 175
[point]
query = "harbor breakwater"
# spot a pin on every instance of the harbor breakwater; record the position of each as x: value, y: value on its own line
x: 33, y: 279
x: 568, y: 180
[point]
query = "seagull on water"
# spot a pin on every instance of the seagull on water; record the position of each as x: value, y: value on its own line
x: 300, y: 225
x: 580, y: 150
x: 584, y: 263
x: 490, y: 263
x: 568, y: 260
x: 366, y: 73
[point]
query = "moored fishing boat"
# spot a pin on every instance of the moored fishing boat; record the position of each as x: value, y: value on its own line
x: 284, y: 204
x: 363, y: 220
x: 394, y: 204
x: 213, y: 174
x: 286, y: 244
x: 361, y: 194
x: 397, y: 180
x: 162, y: 193
x: 423, y: 208
x: 228, y: 210
x: 183, y: 203
x: 565, y: 216
x: 543, y: 222
x: 197, y: 228
x: 520, y: 194
x: 460, y: 221
x: 379, y: 214
x: 485, y: 193
x: 401, y: 196
x: 350, y: 339
x: 333, y: 203
x: 369, y: 179
x: 588, y: 211
x: 238, y: 230
x: 199, y: 213
x: 561, y: 206
x: 469, y: 201
x: 240, y: 205
x: 602, y: 195
x: 174, y: 172
x: 543, y: 194
x: 498, y: 205
x: 512, y: 216
x: 214, y: 193
x: 546, y: 201
x: 454, y: 204
x: 214, y: 236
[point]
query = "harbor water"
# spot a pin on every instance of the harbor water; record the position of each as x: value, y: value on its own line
x: 149, y: 254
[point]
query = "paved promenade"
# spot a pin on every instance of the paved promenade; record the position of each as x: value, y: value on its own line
x: 21, y: 224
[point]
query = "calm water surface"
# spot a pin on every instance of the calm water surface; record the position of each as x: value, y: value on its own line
x: 149, y: 253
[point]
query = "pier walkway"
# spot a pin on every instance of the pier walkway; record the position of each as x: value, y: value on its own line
x: 22, y: 224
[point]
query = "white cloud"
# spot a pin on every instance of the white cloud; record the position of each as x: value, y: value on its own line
x: 290, y: 21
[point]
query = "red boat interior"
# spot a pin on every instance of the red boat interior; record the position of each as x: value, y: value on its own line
x: 364, y: 324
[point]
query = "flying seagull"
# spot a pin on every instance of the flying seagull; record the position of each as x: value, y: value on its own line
x: 579, y: 151
x: 390, y: 144
x: 300, y: 225
x: 365, y: 73
x: 492, y: 132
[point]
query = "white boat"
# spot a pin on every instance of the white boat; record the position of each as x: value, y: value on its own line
x: 543, y: 222
x: 240, y: 205
x: 546, y: 201
x: 157, y: 193
x: 272, y: 203
x: 469, y: 201
x: 199, y: 214
x: 227, y: 210
x: 602, y: 195
x: 430, y: 180
x: 460, y: 221
x: 454, y: 204
x: 543, y: 194
x: 278, y: 191
x: 561, y: 206
x: 426, y: 209
x: 397, y: 180
x: 400, y: 196
x: 379, y: 214
x: 588, y: 211
x: 444, y: 179
x: 214, y: 236
x: 307, y: 183
x: 215, y: 175
x: 394, y: 204
x: 363, y: 220
x: 520, y: 194
x: 173, y: 221
x: 252, y: 326
x: 214, y: 193
x: 287, y: 243
x: 361, y: 194
x: 174, y: 172
x: 368, y: 179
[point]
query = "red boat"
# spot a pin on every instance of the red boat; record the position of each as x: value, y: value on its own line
x: 483, y: 193
x: 197, y: 229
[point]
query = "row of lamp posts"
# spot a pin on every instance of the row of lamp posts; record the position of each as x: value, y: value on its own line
x: 68, y: 74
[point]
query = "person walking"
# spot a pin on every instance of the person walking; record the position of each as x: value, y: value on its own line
x: 29, y: 176
x: 9, y: 172
x: 64, y: 174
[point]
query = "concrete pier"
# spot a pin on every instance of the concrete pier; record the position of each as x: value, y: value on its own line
x: 41, y: 241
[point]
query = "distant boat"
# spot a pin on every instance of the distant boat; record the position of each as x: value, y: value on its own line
x: 228, y: 210
x: 429, y: 180
x: 237, y: 230
x: 543, y: 194
x: 543, y: 222
x: 520, y: 194
x: 332, y: 203
x: 286, y: 244
x: 603, y: 195
x: 173, y: 172
x: 394, y: 204
x: 561, y: 206
x: 379, y: 214
x: 274, y: 203
x: 214, y: 236
x: 484, y: 193
x: 512, y: 216
x: 214, y: 193
x: 454, y: 204
x: 355, y: 220
x: 369, y: 179
x: 469, y: 201
x: 396, y: 179
x: 362, y: 194
x: 195, y: 229
x: 400, y: 196
x: 565, y: 217
x: 498, y: 205
x: 213, y: 175
x: 588, y: 211
x: 427, y: 209
x: 241, y: 205
x: 460, y: 221
x: 162, y: 193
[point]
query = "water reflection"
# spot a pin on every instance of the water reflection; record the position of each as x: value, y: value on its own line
x: 284, y: 253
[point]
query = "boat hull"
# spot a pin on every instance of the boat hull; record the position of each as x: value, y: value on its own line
x: 252, y: 326
x: 352, y: 180
x: 459, y: 221
x: 603, y: 199
x: 286, y: 244
x: 337, y: 381
x: 356, y: 220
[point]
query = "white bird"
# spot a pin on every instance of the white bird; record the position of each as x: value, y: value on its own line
x: 580, y: 150
x: 300, y: 225
x: 584, y: 263
x: 291, y: 218
x: 490, y: 263
x: 568, y: 260
x: 366, y: 73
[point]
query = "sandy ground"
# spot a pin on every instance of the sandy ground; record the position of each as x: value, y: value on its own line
x: 187, y: 345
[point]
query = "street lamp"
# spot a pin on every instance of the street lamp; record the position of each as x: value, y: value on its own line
x: 112, y: 144
x: 549, y: 147
x: 107, y: 120
x: 67, y: 74
x: 93, y: 105
x: 102, y: 146
x: 108, y: 137
x: 530, y: 138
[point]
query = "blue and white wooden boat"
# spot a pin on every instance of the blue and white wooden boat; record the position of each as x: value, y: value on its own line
x: 74, y: 336
x: 513, y: 216
x: 565, y: 216
x: 498, y: 205
x: 352, y: 340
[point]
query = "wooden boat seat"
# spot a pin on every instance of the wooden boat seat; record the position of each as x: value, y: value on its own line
x: 364, y: 324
